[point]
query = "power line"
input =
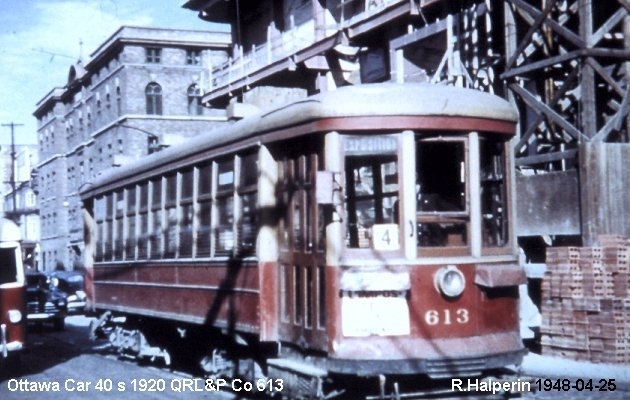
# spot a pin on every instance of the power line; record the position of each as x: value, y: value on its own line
x: 53, y: 54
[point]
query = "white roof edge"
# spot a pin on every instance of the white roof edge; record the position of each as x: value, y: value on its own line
x: 382, y: 99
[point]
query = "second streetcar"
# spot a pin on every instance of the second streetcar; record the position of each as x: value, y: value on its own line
x: 12, y: 292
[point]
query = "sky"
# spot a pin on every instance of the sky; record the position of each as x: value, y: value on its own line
x: 41, y: 39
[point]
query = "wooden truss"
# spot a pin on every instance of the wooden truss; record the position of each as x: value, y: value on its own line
x: 568, y: 68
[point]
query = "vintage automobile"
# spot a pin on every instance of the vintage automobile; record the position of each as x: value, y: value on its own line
x: 72, y: 284
x: 45, y: 303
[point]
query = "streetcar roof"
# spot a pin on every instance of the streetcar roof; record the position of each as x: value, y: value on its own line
x: 392, y: 99
x: 382, y: 99
x: 9, y: 231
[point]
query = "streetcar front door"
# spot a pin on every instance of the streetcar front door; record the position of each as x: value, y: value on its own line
x: 301, y: 275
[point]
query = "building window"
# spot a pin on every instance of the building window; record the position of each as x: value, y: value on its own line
x: 194, y: 100
x: 118, y: 101
x: 153, y: 93
x: 193, y: 57
x: 153, y: 55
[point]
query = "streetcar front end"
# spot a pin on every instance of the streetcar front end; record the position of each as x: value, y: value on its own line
x: 427, y: 278
x: 12, y: 292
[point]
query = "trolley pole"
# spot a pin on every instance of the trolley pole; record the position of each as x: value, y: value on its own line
x: 12, y: 180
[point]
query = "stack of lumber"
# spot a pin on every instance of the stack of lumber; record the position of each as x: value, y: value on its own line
x: 586, y: 302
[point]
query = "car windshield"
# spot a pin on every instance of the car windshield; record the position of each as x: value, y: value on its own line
x: 71, y: 283
x: 36, y: 280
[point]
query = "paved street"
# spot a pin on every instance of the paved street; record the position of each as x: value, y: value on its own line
x: 566, y: 379
x: 66, y: 365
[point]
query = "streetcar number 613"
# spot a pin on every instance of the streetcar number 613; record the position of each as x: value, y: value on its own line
x: 446, y: 316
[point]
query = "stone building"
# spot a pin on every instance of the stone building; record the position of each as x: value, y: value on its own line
x: 139, y: 92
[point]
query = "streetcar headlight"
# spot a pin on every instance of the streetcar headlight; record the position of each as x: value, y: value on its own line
x: 450, y: 281
x: 15, y: 316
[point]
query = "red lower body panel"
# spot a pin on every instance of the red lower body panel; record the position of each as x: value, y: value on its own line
x: 218, y: 294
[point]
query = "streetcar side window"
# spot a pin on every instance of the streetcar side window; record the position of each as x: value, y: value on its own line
x: 297, y: 212
x: 285, y: 178
x: 225, y: 208
x: 8, y: 264
x: 206, y: 210
x: 119, y: 225
x: 170, y: 213
x: 155, y: 238
x: 109, y: 227
x: 493, y: 193
x: 187, y: 212
x: 130, y: 240
x: 204, y: 199
x: 441, y: 193
x: 143, y: 216
x: 99, y: 216
x: 247, y: 219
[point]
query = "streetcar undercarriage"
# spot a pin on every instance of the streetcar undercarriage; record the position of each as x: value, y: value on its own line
x: 217, y: 355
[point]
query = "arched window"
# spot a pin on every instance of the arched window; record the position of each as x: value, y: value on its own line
x: 194, y: 100
x: 153, y: 93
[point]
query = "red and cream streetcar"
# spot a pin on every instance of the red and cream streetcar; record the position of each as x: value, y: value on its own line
x: 358, y: 241
x: 12, y: 292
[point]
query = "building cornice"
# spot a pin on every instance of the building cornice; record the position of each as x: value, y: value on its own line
x: 48, y: 101
x: 49, y: 160
x: 46, y: 123
x: 164, y: 37
x: 80, y: 147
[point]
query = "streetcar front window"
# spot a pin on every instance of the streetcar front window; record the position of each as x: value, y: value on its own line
x: 441, y: 199
x: 372, y: 197
x: 8, y: 265
x: 455, y: 190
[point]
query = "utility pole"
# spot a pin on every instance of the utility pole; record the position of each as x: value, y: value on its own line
x: 12, y: 181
